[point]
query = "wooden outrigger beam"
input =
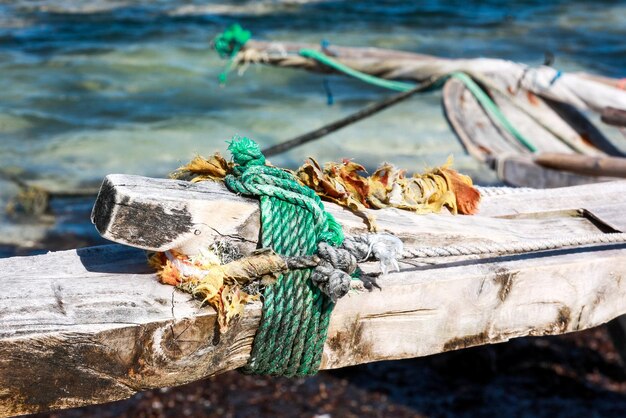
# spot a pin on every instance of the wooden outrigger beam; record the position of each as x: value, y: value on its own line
x: 94, y: 325
x: 580, y: 90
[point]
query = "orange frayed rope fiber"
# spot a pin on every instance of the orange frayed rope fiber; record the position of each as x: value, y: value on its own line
x: 344, y: 183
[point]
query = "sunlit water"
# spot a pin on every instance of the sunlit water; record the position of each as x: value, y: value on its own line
x: 130, y: 86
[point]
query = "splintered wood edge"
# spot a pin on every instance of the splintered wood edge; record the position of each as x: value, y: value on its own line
x: 96, y: 326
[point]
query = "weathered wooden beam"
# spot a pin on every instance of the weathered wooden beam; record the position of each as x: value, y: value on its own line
x: 161, y: 214
x: 94, y: 325
x: 521, y: 171
x: 584, y: 164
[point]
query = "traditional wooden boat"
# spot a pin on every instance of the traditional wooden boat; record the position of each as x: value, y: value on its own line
x: 94, y: 325
x: 542, y: 104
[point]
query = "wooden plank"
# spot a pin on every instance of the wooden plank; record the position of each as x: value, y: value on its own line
x: 161, y: 214
x: 95, y: 326
x: 584, y: 164
x: 592, y: 198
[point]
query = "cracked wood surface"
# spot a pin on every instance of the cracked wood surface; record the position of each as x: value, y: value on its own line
x: 94, y: 325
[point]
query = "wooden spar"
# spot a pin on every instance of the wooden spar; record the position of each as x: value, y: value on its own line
x: 93, y: 325
x: 583, y: 164
x: 161, y: 214
x: 522, y: 171
x: 578, y: 90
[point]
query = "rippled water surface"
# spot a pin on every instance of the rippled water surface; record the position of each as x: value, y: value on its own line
x: 91, y: 88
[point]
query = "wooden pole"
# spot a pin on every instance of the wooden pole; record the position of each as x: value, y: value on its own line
x: 584, y: 164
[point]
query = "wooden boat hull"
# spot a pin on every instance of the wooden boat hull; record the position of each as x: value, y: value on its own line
x: 488, y: 142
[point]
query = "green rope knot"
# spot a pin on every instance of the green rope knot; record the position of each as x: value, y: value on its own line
x: 253, y: 177
x: 246, y: 153
x: 231, y: 40
x: 228, y: 44
x: 294, y: 325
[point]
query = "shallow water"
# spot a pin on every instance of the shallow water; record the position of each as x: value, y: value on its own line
x: 130, y: 86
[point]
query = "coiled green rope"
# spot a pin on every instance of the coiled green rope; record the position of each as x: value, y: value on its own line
x: 294, y: 324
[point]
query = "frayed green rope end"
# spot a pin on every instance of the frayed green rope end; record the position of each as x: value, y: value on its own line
x: 246, y: 152
x: 228, y: 44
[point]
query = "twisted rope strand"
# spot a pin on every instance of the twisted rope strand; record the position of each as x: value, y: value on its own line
x: 514, y: 247
x: 502, y: 190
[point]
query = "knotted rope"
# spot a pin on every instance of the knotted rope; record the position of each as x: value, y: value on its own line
x: 296, y: 312
x: 228, y: 44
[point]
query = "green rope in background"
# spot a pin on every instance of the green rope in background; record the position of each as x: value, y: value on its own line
x: 228, y: 44
x: 294, y: 325
x: 493, y: 109
x: 370, y: 79
x: 483, y: 98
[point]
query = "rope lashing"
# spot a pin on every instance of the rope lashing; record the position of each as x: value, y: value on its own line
x: 228, y: 44
x: 497, y: 249
x: 294, y: 324
x: 483, y: 98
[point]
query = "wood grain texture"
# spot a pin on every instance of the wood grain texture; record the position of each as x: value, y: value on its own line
x: 187, y: 217
x: 94, y: 325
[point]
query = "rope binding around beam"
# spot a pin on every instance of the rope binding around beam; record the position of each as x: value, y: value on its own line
x: 306, y: 263
x: 296, y: 313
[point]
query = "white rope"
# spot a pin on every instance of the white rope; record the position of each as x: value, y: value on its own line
x: 502, y: 190
x: 514, y: 247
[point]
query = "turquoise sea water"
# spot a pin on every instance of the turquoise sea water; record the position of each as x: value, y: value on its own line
x: 92, y: 88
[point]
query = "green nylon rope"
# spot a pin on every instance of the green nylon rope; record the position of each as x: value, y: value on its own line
x: 294, y: 323
x: 228, y: 44
x: 492, y: 108
x: 480, y: 95
x: 370, y: 79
